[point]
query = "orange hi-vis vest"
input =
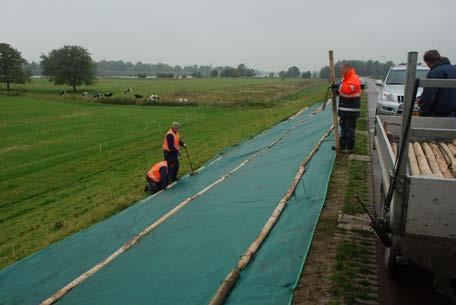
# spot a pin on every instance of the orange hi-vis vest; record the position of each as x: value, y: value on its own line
x: 154, y: 172
x: 351, y: 85
x: 176, y: 140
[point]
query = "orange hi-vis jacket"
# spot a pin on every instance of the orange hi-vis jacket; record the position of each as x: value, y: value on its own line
x: 350, y: 95
x: 176, y: 140
x: 154, y: 172
x: 351, y: 85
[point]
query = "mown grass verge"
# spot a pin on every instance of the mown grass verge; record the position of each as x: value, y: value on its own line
x: 358, y: 186
x: 362, y: 138
x: 350, y: 259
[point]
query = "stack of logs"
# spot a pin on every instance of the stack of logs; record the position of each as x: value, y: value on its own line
x: 431, y: 158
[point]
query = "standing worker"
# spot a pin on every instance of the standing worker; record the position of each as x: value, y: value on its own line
x: 171, y: 145
x: 438, y: 101
x: 349, y: 107
x: 157, y: 177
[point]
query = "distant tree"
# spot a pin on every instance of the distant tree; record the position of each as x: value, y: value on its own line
x: 271, y: 74
x: 315, y: 74
x: 242, y: 70
x: 11, y: 62
x: 293, y: 71
x: 177, y: 69
x: 214, y: 73
x: 70, y: 65
x: 306, y: 74
x: 141, y: 75
x: 229, y: 72
x: 196, y: 74
x: 362, y: 67
x: 165, y: 75
x: 33, y: 67
x: 205, y: 70
x: 282, y: 74
x: 250, y: 73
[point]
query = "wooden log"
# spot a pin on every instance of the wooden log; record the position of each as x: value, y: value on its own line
x: 414, y: 169
x: 421, y: 159
x: 449, y: 157
x: 441, y: 161
x: 67, y: 288
x: 332, y: 76
x: 431, y: 160
x: 452, y: 147
x: 394, y: 148
x: 225, y: 288
x: 221, y: 292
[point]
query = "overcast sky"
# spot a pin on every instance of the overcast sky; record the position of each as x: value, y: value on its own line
x: 264, y: 34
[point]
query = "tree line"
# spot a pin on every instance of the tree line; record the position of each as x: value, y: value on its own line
x: 73, y: 65
x: 362, y: 67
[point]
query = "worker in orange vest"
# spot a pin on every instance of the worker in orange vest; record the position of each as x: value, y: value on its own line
x: 157, y: 177
x: 349, y: 107
x: 171, y: 146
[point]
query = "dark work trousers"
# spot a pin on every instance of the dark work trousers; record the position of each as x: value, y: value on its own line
x: 173, y: 165
x: 152, y: 187
x: 347, y: 132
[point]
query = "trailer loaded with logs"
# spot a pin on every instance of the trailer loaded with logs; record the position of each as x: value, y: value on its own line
x: 416, y: 217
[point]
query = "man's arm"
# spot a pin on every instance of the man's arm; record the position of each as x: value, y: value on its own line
x: 427, y: 97
x: 170, y: 141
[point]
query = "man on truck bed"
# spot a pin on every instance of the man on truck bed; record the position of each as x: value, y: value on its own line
x: 171, y: 145
x: 438, y: 102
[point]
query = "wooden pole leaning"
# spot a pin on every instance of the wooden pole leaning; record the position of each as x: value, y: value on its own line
x: 229, y: 281
x: 332, y: 78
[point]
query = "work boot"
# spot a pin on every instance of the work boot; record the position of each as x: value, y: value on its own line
x: 146, y: 188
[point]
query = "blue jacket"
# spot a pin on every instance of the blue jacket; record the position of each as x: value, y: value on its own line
x: 439, y: 101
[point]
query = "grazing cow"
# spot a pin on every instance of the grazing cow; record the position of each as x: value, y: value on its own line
x: 128, y: 90
x: 154, y: 98
x: 138, y: 96
x: 85, y: 93
x: 97, y: 94
x: 108, y: 94
x: 62, y: 93
x: 182, y: 100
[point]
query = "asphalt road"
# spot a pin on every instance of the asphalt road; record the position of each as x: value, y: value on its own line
x: 413, y: 285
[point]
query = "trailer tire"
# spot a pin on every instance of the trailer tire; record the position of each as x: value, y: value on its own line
x: 390, y: 261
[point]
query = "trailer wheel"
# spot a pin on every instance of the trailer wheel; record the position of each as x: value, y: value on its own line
x: 390, y: 254
x: 390, y: 261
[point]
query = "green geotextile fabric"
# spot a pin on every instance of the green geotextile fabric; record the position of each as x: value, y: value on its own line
x: 184, y: 260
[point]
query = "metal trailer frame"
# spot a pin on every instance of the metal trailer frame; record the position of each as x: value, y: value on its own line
x: 422, y: 215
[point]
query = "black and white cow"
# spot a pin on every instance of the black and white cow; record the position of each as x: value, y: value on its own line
x: 128, y: 91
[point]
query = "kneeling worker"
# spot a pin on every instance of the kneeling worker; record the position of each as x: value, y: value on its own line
x: 171, y: 145
x: 157, y: 177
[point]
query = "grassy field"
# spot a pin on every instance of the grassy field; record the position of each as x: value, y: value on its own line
x: 67, y: 163
x: 210, y: 91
